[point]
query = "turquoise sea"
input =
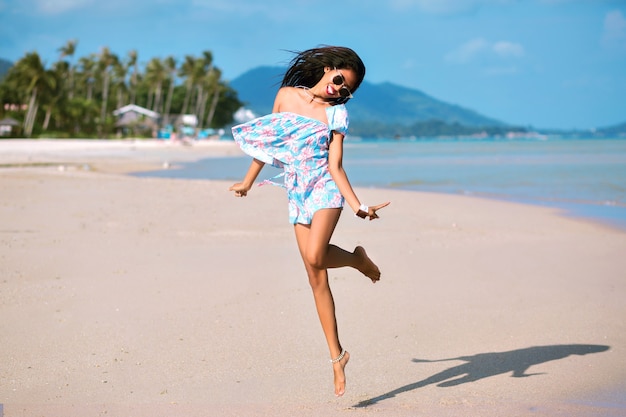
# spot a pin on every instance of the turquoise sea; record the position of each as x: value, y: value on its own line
x: 584, y: 177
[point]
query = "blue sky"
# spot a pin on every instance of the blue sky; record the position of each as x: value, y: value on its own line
x: 544, y: 63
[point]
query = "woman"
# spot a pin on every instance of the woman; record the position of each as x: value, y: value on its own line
x: 304, y: 136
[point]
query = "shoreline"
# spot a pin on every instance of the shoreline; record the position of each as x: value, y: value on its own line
x: 116, y: 156
x: 145, y: 156
x: 144, y: 296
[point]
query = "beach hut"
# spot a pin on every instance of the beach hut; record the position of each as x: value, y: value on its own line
x: 133, y: 108
x: 6, y: 126
x: 137, y: 120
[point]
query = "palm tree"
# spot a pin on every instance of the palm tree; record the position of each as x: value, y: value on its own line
x: 120, y: 72
x: 63, y: 72
x: 88, y: 75
x: 68, y: 50
x: 83, y: 105
x: 217, y: 88
x: 170, y: 65
x: 76, y: 97
x: 55, y: 91
x: 132, y: 63
x: 77, y: 111
x: 156, y: 74
x: 187, y: 70
x: 106, y: 61
x: 203, y: 70
x: 32, y: 78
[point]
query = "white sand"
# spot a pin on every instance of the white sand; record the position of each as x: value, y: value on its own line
x: 126, y: 296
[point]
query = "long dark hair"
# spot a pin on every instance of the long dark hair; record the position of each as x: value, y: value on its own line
x: 307, y: 67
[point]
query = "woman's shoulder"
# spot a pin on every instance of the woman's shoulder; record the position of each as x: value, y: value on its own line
x: 285, y: 92
x: 284, y: 97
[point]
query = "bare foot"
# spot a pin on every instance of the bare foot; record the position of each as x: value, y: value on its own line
x: 365, y: 265
x: 340, y: 375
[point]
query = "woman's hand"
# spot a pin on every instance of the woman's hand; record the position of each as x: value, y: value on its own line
x: 371, y: 212
x: 240, y: 189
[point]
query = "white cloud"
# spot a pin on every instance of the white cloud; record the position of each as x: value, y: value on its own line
x: 446, y: 6
x: 614, y: 30
x: 229, y: 6
x: 501, y: 70
x: 244, y: 115
x: 508, y: 49
x: 409, y: 64
x: 57, y: 7
x: 272, y: 9
x: 480, y: 47
x: 467, y: 51
x: 557, y: 2
x: 60, y: 6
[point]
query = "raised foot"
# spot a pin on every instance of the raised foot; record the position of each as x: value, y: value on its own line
x: 366, y: 265
x: 340, y: 375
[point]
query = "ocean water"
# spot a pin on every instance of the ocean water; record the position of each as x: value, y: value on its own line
x: 583, y: 177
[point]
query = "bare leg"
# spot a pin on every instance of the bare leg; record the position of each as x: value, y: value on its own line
x: 358, y: 259
x: 325, y: 255
x: 313, y: 242
x: 318, y: 255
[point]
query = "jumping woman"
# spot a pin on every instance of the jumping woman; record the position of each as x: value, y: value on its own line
x: 304, y: 136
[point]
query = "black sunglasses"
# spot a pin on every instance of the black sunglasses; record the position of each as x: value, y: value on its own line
x: 339, y: 80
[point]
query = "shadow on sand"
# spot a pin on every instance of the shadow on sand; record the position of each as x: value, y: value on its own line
x: 484, y: 365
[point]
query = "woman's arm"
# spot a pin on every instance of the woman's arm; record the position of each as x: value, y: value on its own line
x: 241, y: 188
x: 335, y: 166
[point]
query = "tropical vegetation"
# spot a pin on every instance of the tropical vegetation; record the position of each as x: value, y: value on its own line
x: 76, y: 96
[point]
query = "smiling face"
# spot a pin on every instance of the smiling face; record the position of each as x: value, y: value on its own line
x: 340, y: 82
x: 336, y: 83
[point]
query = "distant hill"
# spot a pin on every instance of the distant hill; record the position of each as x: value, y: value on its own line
x: 383, y: 103
x: 616, y: 131
x: 257, y: 87
x: 4, y: 66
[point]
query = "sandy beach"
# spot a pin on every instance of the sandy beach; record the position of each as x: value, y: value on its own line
x: 126, y: 296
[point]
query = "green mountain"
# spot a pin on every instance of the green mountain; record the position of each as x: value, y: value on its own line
x: 257, y: 87
x: 374, y: 104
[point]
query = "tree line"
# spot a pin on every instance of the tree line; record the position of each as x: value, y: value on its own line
x: 76, y: 97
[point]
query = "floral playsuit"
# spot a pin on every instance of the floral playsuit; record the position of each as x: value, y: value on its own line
x: 299, y: 145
